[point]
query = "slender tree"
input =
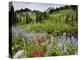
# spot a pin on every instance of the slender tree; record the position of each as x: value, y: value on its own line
x: 72, y: 21
x: 67, y: 21
x: 27, y: 19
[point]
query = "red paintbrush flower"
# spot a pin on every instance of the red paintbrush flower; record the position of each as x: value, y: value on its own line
x: 37, y: 53
x: 42, y: 39
x: 38, y: 40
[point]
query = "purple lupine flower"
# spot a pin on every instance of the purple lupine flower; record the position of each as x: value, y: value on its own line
x: 63, y: 37
x: 72, y: 37
x: 68, y: 40
x: 76, y: 43
x: 73, y: 40
x: 49, y: 47
x: 65, y: 48
x: 59, y: 47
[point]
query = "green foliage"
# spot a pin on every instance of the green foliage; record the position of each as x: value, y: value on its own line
x: 54, y: 51
x: 16, y: 43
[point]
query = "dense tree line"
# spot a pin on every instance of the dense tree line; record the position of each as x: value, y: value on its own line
x: 40, y: 16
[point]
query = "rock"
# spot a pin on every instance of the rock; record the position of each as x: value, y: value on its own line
x: 19, y: 54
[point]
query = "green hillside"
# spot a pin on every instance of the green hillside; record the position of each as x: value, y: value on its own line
x: 53, y: 21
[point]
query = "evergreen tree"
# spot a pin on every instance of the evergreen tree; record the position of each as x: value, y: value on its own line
x: 72, y: 21
x: 27, y: 21
x: 67, y: 21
